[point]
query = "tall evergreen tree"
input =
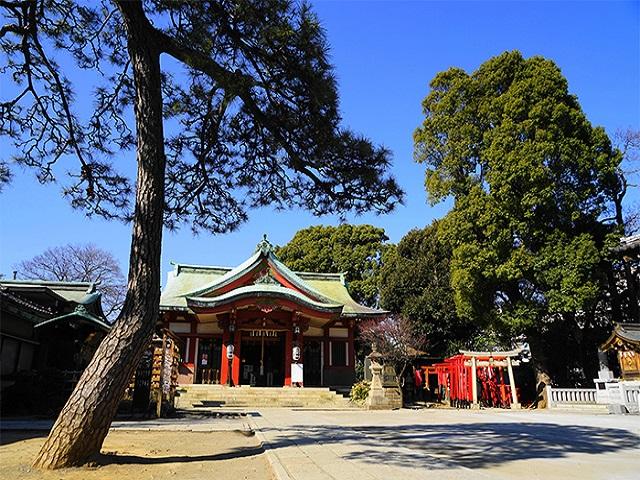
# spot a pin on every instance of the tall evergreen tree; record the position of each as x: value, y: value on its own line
x: 251, y: 109
x: 532, y: 182
x: 415, y: 282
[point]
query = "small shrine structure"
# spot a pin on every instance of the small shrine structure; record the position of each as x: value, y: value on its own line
x: 48, y: 325
x: 625, y: 340
x: 621, y: 394
x: 262, y: 324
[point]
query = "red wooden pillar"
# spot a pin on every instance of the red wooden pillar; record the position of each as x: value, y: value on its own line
x: 288, y: 347
x: 193, y: 349
x: 235, y: 367
x: 224, y: 362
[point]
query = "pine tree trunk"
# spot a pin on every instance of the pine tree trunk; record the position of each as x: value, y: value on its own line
x: 84, y: 422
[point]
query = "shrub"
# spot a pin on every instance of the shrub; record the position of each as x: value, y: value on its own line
x: 360, y: 392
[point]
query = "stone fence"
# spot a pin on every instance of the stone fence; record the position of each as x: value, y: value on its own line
x: 570, y: 396
x: 625, y: 394
x: 618, y: 396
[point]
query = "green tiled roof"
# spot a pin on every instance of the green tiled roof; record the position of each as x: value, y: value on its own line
x: 200, y: 283
x: 336, y: 289
x: 68, y: 291
x: 269, y: 291
x: 185, y: 279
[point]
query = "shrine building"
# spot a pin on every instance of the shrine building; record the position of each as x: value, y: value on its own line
x: 262, y: 324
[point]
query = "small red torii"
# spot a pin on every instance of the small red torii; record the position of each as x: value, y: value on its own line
x: 460, y: 376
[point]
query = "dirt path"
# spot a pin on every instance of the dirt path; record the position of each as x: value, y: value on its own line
x: 146, y: 455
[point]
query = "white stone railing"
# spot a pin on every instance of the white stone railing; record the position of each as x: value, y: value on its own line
x: 570, y: 396
x: 624, y: 393
x: 631, y: 395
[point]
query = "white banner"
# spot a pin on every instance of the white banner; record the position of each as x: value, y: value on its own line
x: 297, y: 373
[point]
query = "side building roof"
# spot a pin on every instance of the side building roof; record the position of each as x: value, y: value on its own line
x: 57, y: 301
x: 625, y: 336
x: 629, y: 245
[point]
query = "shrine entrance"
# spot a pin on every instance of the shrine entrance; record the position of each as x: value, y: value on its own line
x: 208, y: 358
x: 313, y: 363
x: 262, y: 360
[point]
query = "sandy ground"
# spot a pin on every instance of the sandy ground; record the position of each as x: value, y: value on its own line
x: 146, y: 455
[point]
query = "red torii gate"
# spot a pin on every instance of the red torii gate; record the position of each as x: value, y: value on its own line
x: 458, y: 377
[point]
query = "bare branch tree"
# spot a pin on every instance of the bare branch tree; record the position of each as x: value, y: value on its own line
x: 627, y: 142
x: 80, y: 263
x: 395, y: 337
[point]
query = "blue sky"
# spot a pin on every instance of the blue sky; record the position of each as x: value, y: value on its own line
x: 385, y: 54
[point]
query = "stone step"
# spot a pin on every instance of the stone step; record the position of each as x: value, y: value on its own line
x: 265, y: 398
x: 270, y: 404
x: 207, y: 388
x: 262, y: 399
x: 247, y: 395
x: 207, y: 396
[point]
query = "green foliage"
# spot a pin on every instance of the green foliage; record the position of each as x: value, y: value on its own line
x: 355, y: 250
x: 531, y: 179
x: 360, y: 392
x: 415, y: 282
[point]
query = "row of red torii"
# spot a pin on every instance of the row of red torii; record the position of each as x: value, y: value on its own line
x: 466, y: 376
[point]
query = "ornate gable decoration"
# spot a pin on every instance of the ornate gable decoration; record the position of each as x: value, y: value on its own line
x: 264, y: 277
x: 265, y: 246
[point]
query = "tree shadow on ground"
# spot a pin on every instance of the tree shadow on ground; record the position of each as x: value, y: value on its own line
x: 12, y: 436
x: 115, y: 458
x: 477, y: 445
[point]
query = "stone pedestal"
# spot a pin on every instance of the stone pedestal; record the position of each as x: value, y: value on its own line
x: 383, y: 395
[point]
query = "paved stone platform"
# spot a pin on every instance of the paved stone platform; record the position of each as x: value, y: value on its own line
x: 449, y: 444
x: 308, y: 444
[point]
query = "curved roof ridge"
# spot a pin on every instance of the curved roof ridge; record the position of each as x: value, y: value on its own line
x: 228, y: 277
x: 179, y: 266
x: 84, y: 314
x: 322, y: 275
x: 302, y: 273
x: 261, y: 253
x: 49, y: 283
x: 296, y: 280
x: 256, y: 290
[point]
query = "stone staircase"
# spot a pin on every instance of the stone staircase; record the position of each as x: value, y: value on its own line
x: 197, y: 397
